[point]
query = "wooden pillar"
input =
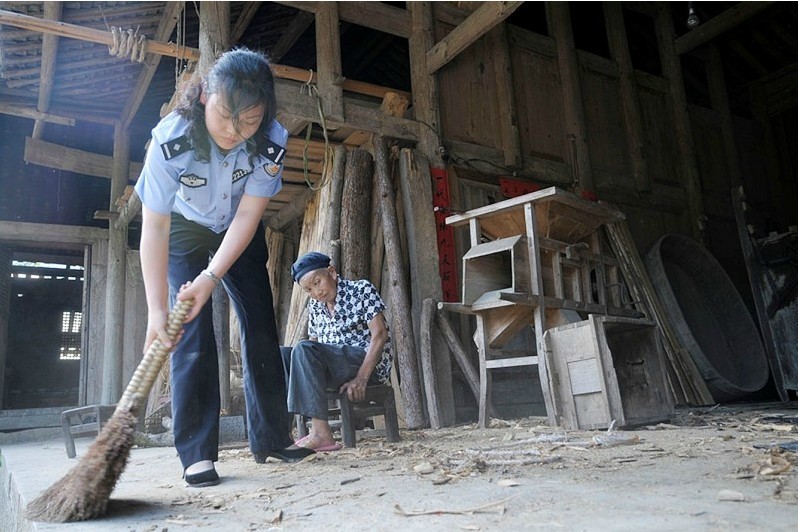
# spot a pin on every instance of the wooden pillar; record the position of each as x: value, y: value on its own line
x: 115, y: 277
x: 630, y: 103
x: 425, y: 86
x: 5, y: 308
x: 214, y: 33
x: 402, y: 334
x: 356, y: 216
x: 332, y: 232
x: 51, y: 11
x: 672, y: 70
x: 559, y: 19
x: 425, y: 281
x: 719, y: 97
x: 328, y: 60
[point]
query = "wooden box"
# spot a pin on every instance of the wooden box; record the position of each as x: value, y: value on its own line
x: 606, y: 368
x: 501, y: 264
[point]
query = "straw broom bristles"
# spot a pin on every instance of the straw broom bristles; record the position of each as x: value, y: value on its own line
x: 83, y: 493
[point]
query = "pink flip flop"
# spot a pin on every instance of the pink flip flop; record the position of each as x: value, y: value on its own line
x: 327, y: 447
x: 302, y: 440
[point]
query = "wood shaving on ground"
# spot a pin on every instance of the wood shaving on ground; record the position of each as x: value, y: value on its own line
x: 493, y: 507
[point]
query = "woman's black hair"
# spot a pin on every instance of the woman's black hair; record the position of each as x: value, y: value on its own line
x: 243, y: 78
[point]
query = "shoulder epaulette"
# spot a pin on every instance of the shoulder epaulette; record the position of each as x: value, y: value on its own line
x: 273, y: 151
x: 175, y: 147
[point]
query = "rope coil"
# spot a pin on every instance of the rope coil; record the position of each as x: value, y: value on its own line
x: 313, y: 91
x: 128, y: 43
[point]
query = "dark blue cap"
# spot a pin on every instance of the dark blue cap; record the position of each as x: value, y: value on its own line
x: 307, y: 263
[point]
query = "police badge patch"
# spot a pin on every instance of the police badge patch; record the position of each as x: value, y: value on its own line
x: 272, y: 168
x: 193, y: 181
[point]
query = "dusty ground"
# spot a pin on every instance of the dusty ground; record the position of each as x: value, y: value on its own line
x: 709, y: 469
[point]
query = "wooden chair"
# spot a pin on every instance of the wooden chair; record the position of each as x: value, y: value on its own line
x: 379, y: 401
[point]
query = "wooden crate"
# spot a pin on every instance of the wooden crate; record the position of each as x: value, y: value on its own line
x: 607, y: 368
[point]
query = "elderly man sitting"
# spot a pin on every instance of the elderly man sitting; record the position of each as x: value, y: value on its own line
x: 348, y: 348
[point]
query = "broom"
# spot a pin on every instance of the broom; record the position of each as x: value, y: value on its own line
x: 83, y: 492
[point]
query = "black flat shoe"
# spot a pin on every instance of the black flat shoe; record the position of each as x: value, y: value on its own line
x: 286, y: 455
x: 202, y: 480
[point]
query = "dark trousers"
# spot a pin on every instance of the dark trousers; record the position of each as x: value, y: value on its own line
x: 194, y: 364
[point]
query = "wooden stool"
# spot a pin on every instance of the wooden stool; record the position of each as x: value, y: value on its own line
x: 379, y: 401
x: 83, y: 421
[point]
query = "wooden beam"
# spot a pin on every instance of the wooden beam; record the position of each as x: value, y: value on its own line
x: 214, y: 35
x: 292, y: 211
x: 168, y: 21
x: 243, y: 21
x: 375, y: 15
x: 29, y: 112
x: 72, y: 160
x: 328, y: 60
x: 82, y: 33
x: 727, y: 20
x: 719, y: 99
x: 292, y: 33
x: 66, y: 234
x: 475, y: 26
x: 52, y: 11
x: 508, y: 126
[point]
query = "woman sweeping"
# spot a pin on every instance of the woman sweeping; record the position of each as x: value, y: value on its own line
x: 211, y: 168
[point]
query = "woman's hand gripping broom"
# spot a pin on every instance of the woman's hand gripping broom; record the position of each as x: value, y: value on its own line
x: 83, y: 493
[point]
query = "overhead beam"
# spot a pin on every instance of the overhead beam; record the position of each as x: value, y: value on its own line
x: 722, y: 23
x: 73, y: 160
x: 292, y: 33
x: 34, y: 114
x: 172, y: 50
x: 66, y: 234
x: 83, y: 33
x: 52, y: 11
x: 472, y: 28
x: 374, y: 15
x: 243, y: 21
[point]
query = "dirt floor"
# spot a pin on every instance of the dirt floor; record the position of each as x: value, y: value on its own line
x: 709, y: 469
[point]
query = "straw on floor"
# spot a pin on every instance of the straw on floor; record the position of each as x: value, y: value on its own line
x: 83, y: 493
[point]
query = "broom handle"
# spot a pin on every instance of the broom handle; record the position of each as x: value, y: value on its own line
x: 140, y: 383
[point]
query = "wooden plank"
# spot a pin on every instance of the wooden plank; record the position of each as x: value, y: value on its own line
x: 289, y: 37
x: 428, y: 363
x: 34, y: 232
x: 508, y: 124
x: 718, y: 25
x: 472, y: 28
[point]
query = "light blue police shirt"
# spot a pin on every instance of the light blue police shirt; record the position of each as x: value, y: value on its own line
x: 172, y: 180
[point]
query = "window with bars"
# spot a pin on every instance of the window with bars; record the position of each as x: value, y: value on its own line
x: 70, y: 335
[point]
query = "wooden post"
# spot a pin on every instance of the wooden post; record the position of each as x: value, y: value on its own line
x: 355, y: 216
x: 328, y: 60
x: 632, y: 115
x: 115, y: 277
x: 214, y: 34
x: 559, y: 18
x: 425, y: 85
x: 402, y: 329
x: 672, y: 70
x: 427, y: 362
x: 221, y: 330
x: 425, y: 281
x: 52, y: 11
x: 332, y: 232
